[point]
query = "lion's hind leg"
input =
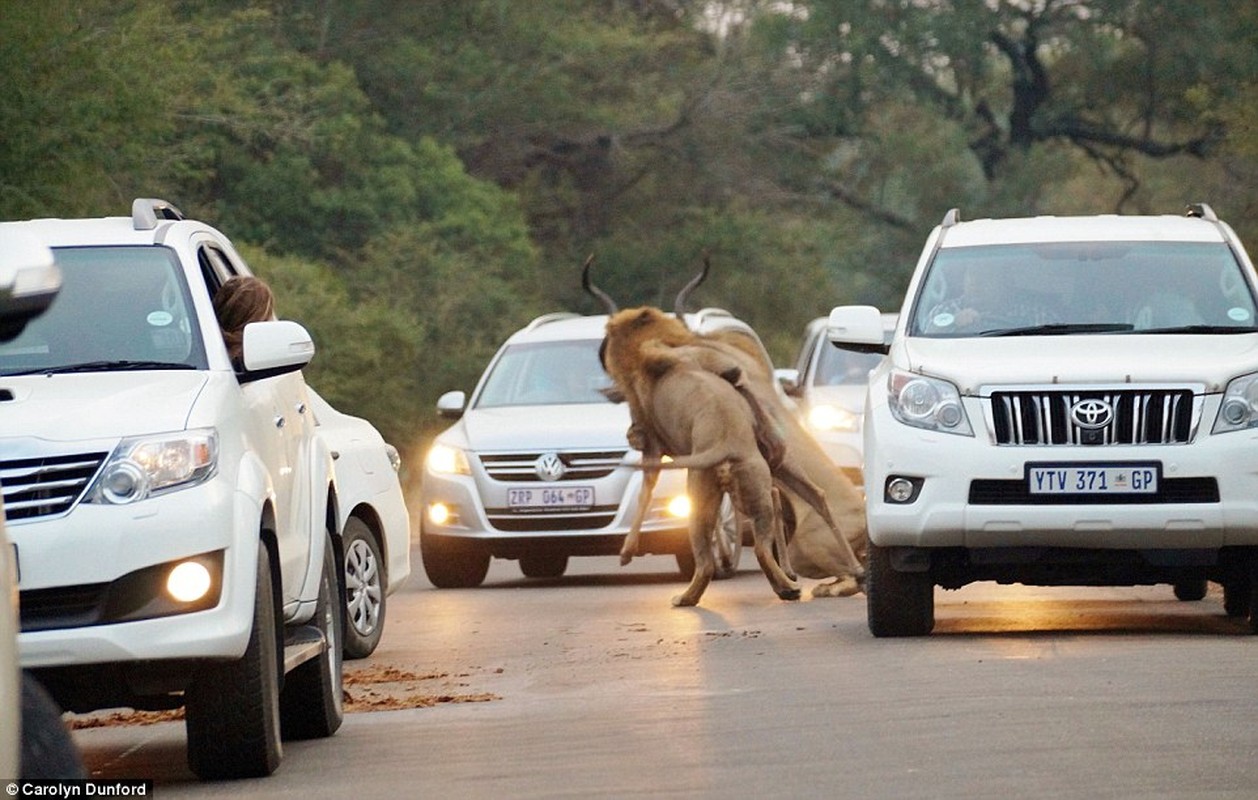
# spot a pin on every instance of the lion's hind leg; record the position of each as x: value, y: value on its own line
x: 705, y: 498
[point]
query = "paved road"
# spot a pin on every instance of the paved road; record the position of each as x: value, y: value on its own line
x: 592, y: 685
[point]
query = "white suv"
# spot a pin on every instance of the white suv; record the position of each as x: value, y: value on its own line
x: 173, y: 520
x: 1094, y: 426
x: 537, y: 467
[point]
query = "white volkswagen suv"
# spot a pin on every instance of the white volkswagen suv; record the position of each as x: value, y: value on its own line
x: 174, y: 521
x: 1066, y: 400
x: 537, y: 467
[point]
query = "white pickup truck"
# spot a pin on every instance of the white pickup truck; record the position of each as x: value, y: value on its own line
x: 1065, y: 401
x: 174, y: 520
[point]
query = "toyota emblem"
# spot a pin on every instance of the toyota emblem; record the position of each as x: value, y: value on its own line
x: 1092, y: 414
x: 549, y: 467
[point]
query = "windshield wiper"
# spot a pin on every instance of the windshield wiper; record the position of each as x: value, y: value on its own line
x: 1062, y: 329
x: 105, y: 366
x: 1200, y: 329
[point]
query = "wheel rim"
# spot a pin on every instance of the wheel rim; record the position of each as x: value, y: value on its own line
x: 729, y: 535
x: 362, y: 583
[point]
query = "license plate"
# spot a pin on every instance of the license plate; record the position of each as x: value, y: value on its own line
x: 551, y: 498
x: 1092, y: 478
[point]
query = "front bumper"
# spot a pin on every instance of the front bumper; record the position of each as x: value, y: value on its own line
x: 600, y: 531
x: 944, y: 512
x: 91, y: 580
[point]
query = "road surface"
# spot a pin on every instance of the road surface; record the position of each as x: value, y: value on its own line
x: 593, y: 685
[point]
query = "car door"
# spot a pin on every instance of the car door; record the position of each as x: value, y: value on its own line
x: 279, y: 427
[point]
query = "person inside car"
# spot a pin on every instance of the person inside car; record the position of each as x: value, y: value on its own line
x: 239, y: 301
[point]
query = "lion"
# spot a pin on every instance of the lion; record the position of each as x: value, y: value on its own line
x: 819, y: 549
x: 701, y: 418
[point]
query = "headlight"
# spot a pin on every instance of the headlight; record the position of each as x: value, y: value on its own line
x: 148, y: 465
x: 395, y: 458
x: 927, y: 403
x: 1239, y: 409
x: 679, y: 506
x: 833, y: 418
x: 445, y: 460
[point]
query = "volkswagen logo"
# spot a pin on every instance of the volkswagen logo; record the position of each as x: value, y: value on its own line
x: 1092, y: 414
x: 549, y: 467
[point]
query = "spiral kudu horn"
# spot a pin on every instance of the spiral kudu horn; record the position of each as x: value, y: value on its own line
x: 679, y: 305
x: 589, y: 286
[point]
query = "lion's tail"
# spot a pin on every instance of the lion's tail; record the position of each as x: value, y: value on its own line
x: 704, y: 459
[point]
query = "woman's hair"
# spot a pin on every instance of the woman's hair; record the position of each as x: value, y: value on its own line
x: 239, y: 301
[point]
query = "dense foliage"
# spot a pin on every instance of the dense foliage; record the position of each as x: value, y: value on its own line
x: 420, y: 178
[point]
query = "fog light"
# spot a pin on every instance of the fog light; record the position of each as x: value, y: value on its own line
x: 439, y: 513
x: 679, y: 506
x: 900, y: 490
x: 188, y: 582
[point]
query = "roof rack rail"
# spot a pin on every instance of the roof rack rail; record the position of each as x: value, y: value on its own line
x: 710, y: 311
x: 146, y: 211
x: 951, y: 218
x: 553, y: 316
x: 1202, y: 210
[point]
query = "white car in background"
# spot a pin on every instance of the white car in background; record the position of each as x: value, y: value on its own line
x: 372, y: 518
x: 828, y: 385
x: 537, y: 468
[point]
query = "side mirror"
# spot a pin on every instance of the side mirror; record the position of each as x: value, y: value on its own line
x: 857, y: 328
x: 29, y: 281
x: 451, y: 404
x: 788, y: 379
x: 274, y: 347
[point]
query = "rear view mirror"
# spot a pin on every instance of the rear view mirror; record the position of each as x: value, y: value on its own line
x: 29, y: 281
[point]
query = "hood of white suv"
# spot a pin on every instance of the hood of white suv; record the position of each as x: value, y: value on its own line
x: 975, y: 362
x: 98, y: 405
x: 544, y: 427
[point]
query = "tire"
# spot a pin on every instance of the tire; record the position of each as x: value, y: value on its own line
x: 233, y: 710
x: 1251, y: 613
x: 1236, y: 597
x: 48, y: 751
x: 727, y: 540
x: 543, y: 565
x: 312, y: 702
x: 1191, y: 591
x: 897, y: 603
x: 729, y: 536
x: 365, y: 601
x: 451, y: 563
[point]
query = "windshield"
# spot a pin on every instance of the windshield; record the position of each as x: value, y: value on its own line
x: 546, y: 373
x: 119, y: 308
x: 838, y: 367
x: 1084, y: 287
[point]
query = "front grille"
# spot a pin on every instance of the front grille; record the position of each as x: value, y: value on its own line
x: 578, y: 465
x: 1170, y: 490
x: 41, y: 487
x: 1141, y: 416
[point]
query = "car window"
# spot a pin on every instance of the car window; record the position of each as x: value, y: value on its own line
x: 543, y: 373
x: 1083, y: 287
x: 838, y: 367
x: 117, y: 304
